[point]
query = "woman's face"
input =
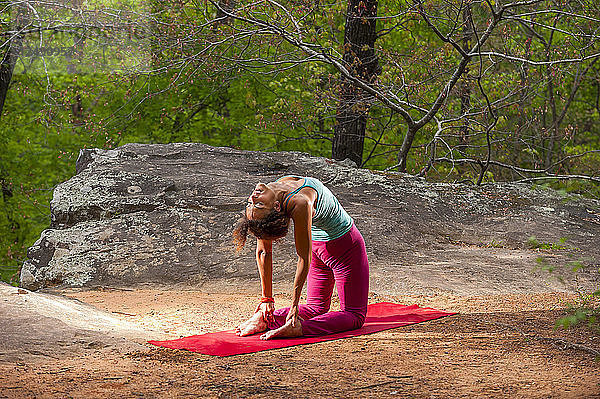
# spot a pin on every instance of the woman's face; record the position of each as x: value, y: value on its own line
x: 261, y: 202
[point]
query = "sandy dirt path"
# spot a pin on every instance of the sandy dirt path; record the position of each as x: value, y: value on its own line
x: 497, y: 346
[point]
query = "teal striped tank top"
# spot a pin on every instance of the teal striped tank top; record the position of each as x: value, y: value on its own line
x: 330, y: 220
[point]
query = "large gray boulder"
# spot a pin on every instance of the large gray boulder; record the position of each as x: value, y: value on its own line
x: 163, y: 214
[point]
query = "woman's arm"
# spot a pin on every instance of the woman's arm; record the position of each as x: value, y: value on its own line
x: 264, y: 261
x: 302, y: 217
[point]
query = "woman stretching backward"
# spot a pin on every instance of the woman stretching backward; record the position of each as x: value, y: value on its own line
x: 330, y: 250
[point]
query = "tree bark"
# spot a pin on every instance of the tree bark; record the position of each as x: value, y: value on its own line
x: 361, y: 61
x: 225, y: 6
x: 9, y: 60
x: 465, y: 88
x: 553, y: 130
x: 406, y: 145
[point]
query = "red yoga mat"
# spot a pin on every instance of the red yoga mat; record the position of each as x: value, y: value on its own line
x: 380, y: 316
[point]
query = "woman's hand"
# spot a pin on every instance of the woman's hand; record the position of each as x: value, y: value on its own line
x: 293, y: 316
x: 267, y: 309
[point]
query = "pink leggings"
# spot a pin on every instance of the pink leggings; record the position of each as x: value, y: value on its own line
x: 342, y: 261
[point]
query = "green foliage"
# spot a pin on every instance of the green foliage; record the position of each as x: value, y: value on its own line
x: 495, y: 244
x: 533, y: 243
x: 35, y: 156
x: 586, y: 308
x: 580, y: 314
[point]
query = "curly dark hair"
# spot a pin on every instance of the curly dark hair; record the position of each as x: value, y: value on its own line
x: 273, y: 226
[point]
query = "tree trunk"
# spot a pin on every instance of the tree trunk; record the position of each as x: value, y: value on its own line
x: 225, y: 7
x: 554, y: 127
x: 465, y: 88
x: 406, y: 145
x: 361, y: 62
x: 552, y: 130
x: 9, y: 60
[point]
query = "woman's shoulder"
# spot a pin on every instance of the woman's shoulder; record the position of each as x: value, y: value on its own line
x: 301, y: 203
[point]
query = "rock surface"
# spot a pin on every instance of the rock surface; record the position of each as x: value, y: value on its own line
x: 44, y: 326
x: 163, y: 215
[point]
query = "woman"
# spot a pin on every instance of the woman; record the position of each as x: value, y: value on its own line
x: 330, y: 250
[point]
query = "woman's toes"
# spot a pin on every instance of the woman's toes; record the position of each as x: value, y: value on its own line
x: 268, y: 335
x: 245, y: 331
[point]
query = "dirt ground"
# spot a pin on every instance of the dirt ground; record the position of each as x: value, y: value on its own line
x: 452, y: 247
x: 496, y: 346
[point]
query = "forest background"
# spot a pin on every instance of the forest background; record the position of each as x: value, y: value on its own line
x: 452, y: 90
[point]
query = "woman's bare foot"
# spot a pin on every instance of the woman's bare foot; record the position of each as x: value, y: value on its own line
x: 253, y: 325
x: 285, y: 331
x: 242, y: 326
